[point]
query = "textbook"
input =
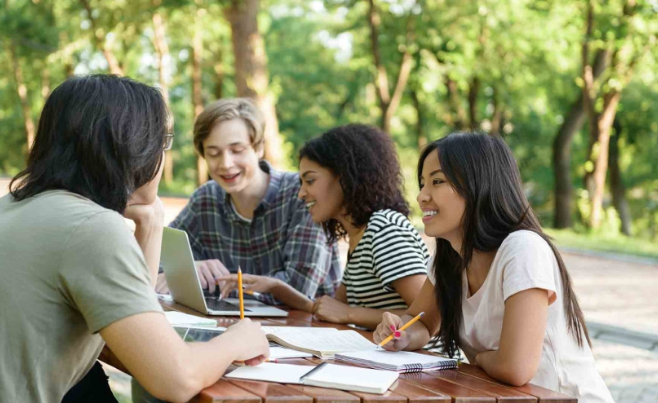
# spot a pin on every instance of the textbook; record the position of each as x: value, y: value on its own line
x: 323, y: 342
x: 324, y: 375
x: 400, y: 361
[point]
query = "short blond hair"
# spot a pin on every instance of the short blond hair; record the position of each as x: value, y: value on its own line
x: 227, y: 109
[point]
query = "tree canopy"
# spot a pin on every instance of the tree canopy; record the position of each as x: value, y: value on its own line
x: 571, y: 85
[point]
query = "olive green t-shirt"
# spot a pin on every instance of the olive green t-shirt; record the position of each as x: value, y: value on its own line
x: 68, y: 268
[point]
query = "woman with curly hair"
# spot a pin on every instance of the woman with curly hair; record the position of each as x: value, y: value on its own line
x: 352, y: 185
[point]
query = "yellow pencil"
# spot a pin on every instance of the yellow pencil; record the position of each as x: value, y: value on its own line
x: 240, y: 293
x: 406, y: 325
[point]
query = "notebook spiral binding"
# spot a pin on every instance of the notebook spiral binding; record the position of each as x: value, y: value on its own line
x: 412, y: 368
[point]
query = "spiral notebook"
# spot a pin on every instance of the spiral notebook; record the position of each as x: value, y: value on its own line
x: 400, y: 361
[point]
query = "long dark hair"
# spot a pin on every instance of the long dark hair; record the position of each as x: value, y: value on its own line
x: 99, y: 136
x: 482, y: 170
x: 364, y: 159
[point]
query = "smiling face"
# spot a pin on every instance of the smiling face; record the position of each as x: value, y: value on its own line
x: 321, y: 191
x: 232, y: 160
x: 443, y: 208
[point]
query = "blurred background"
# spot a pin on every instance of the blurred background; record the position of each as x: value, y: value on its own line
x: 571, y: 85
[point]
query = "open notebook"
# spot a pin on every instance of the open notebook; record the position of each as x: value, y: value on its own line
x: 324, y: 375
x: 400, y: 361
x: 323, y: 342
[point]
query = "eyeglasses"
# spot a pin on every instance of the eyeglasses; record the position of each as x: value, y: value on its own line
x: 169, y: 141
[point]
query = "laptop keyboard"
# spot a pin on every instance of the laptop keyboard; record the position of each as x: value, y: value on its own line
x: 221, y: 305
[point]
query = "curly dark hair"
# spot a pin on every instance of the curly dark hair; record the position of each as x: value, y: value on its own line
x: 366, y: 163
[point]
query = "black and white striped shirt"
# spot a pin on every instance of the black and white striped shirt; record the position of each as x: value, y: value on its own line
x: 389, y: 250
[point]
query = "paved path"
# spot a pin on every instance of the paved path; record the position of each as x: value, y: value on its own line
x: 616, y: 293
x: 619, y: 294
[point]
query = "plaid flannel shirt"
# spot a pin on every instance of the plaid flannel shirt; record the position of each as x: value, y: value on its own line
x: 282, y: 241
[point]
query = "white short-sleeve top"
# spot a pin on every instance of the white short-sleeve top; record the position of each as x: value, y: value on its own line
x: 524, y: 261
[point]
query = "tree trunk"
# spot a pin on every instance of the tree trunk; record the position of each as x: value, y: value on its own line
x: 617, y: 184
x: 219, y: 76
x: 45, y: 82
x: 562, y: 150
x: 101, y: 44
x: 497, y: 117
x: 21, y: 90
x: 473, y: 92
x: 403, y: 75
x: 456, y: 107
x: 69, y: 70
x: 599, y: 155
x: 251, y: 75
x: 421, y: 138
x: 388, y: 104
x: 197, y: 95
x: 562, y: 163
x: 162, y: 51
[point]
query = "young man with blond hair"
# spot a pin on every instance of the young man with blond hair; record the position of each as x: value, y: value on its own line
x: 249, y: 215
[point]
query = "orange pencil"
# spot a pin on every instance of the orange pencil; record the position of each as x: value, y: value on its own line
x: 240, y: 293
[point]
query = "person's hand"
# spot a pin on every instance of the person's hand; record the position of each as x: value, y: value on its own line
x: 209, y: 271
x: 251, y: 345
x: 143, y: 211
x: 390, y: 324
x: 250, y: 282
x: 331, y: 310
x: 161, y: 286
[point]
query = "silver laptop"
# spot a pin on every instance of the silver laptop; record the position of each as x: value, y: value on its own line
x: 178, y: 263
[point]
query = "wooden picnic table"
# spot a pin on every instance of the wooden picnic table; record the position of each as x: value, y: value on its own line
x: 467, y: 384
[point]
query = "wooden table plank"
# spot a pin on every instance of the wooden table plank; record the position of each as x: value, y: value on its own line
x: 388, y: 397
x: 544, y: 395
x: 325, y: 395
x: 459, y: 393
x: 501, y: 393
x: 272, y: 392
x: 224, y: 391
x: 416, y: 393
x: 301, y: 315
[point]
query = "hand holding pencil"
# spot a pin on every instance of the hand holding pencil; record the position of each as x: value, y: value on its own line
x: 391, y: 329
x: 252, y: 284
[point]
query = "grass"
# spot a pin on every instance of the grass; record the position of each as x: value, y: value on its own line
x: 604, y: 243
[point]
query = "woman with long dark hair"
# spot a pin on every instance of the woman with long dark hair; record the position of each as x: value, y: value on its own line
x: 74, y: 276
x: 352, y: 185
x: 497, y: 287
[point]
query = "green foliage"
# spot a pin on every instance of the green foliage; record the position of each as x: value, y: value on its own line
x: 525, y: 55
